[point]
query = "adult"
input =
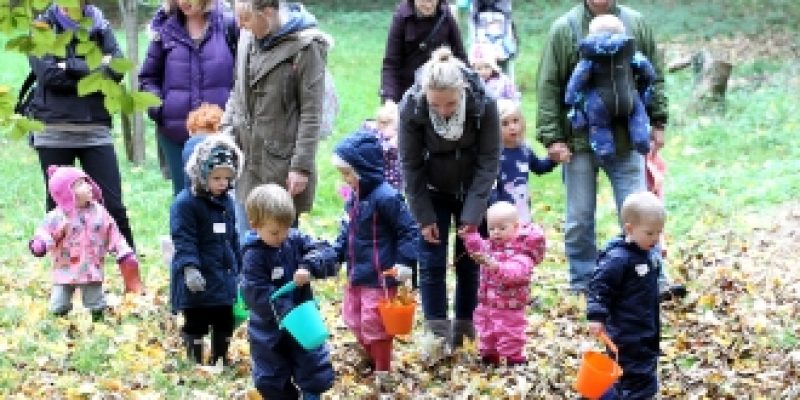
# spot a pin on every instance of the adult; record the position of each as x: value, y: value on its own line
x: 418, y: 27
x: 275, y: 108
x: 449, y: 141
x: 625, y: 171
x: 189, y: 62
x: 78, y: 127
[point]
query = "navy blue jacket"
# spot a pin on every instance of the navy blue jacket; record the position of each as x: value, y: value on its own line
x: 266, y: 268
x: 379, y: 221
x: 623, y: 294
x: 55, y: 96
x: 192, y: 222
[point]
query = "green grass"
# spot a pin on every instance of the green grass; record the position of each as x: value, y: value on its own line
x: 721, y: 166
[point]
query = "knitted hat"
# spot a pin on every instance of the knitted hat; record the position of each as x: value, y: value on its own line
x: 217, y: 151
x: 59, y: 184
x: 484, y: 53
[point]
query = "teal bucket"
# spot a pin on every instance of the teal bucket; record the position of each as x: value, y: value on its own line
x: 305, y: 323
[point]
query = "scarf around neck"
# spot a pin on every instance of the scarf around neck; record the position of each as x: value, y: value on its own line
x: 453, y: 128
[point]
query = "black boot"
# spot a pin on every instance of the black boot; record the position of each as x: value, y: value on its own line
x: 219, y: 349
x: 194, y: 347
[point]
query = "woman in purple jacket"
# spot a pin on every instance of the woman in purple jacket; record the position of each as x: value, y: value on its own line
x: 190, y: 61
x: 418, y: 27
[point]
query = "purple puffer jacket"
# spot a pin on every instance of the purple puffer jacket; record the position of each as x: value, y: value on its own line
x: 184, y: 75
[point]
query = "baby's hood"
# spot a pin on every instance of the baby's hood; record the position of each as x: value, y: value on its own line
x: 363, y: 152
x: 59, y: 184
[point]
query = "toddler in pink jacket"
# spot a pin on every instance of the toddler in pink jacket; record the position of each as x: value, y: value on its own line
x: 507, y: 260
x: 78, y: 233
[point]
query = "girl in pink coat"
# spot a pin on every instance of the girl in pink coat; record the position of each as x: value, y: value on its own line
x: 507, y: 260
x: 78, y: 233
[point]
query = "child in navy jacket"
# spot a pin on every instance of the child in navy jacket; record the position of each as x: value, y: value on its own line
x: 273, y: 255
x: 623, y: 296
x: 380, y: 234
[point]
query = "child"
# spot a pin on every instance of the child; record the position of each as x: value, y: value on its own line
x: 385, y: 127
x: 498, y: 84
x: 273, y: 255
x: 623, y: 295
x: 380, y: 234
x: 517, y: 160
x: 206, y: 261
x: 77, y: 234
x: 200, y: 123
x: 507, y: 260
x: 604, y: 86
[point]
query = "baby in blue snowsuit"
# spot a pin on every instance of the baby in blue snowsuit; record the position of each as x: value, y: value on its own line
x: 610, y: 81
x: 623, y: 296
x: 275, y: 254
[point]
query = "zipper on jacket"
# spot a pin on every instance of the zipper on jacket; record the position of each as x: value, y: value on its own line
x: 614, y: 86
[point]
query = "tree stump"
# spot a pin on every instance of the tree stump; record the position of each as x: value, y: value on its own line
x: 711, y: 74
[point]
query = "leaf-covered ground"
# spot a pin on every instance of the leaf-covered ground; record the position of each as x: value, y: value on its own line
x: 735, y: 336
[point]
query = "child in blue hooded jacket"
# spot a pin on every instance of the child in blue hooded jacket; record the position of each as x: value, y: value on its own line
x: 379, y: 234
x: 623, y: 296
x: 274, y: 254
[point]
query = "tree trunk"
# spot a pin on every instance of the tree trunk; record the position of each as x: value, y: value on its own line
x: 132, y: 125
x: 711, y: 75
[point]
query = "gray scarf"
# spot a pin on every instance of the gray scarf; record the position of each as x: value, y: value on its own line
x: 450, y: 129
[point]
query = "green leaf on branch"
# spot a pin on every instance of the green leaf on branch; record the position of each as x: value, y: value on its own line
x: 84, y: 47
x: 121, y: 65
x: 94, y: 58
x: 144, y: 100
x: 90, y: 83
x: 42, y: 4
x: 69, y: 3
x: 62, y: 40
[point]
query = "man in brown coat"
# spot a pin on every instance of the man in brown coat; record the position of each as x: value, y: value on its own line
x: 275, y: 107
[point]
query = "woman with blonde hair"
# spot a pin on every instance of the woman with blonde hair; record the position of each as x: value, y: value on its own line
x: 449, y: 141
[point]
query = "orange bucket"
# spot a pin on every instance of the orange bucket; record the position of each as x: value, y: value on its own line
x: 397, y: 318
x: 598, y: 371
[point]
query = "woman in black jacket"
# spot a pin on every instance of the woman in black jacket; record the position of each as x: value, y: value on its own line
x: 78, y: 127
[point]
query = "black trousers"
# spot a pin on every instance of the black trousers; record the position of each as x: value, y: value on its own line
x: 100, y: 163
x: 197, y: 321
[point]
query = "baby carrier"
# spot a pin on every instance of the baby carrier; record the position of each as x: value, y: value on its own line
x: 490, y: 22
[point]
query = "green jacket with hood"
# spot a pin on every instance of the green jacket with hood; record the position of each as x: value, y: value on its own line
x: 559, y: 57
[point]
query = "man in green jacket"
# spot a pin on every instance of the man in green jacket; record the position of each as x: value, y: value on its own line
x: 572, y: 148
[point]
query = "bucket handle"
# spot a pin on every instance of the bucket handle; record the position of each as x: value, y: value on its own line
x: 288, y: 287
x: 603, y: 337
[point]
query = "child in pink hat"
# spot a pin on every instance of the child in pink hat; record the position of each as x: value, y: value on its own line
x: 78, y: 233
x: 483, y: 60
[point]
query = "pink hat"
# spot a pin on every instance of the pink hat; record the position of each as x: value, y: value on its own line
x: 484, y: 53
x: 60, y: 183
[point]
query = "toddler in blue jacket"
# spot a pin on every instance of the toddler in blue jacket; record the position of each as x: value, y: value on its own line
x: 379, y: 234
x: 623, y: 296
x: 274, y: 254
x: 206, y: 260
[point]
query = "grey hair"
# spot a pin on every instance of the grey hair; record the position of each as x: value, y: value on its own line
x: 200, y: 155
x: 443, y: 71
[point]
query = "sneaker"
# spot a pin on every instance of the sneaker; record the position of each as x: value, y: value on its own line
x: 669, y: 292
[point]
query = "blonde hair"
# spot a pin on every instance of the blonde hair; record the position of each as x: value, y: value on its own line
x: 387, y: 111
x: 642, y: 206
x: 606, y: 23
x: 269, y: 202
x: 502, y: 210
x: 507, y: 108
x: 206, y: 119
x: 171, y: 6
x: 442, y: 71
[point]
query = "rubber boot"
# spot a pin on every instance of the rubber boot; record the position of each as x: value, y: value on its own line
x: 438, y: 347
x: 462, y: 328
x: 381, y: 352
x: 129, y: 269
x: 194, y: 347
x: 219, y: 349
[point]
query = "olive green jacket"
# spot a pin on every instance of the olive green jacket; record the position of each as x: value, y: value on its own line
x: 275, y: 108
x: 559, y: 57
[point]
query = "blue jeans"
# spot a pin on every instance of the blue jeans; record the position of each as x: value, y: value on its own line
x: 433, y: 266
x: 172, y: 154
x: 626, y: 175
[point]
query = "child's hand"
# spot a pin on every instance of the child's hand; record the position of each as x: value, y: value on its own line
x: 595, y: 327
x: 37, y: 247
x: 302, y: 277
